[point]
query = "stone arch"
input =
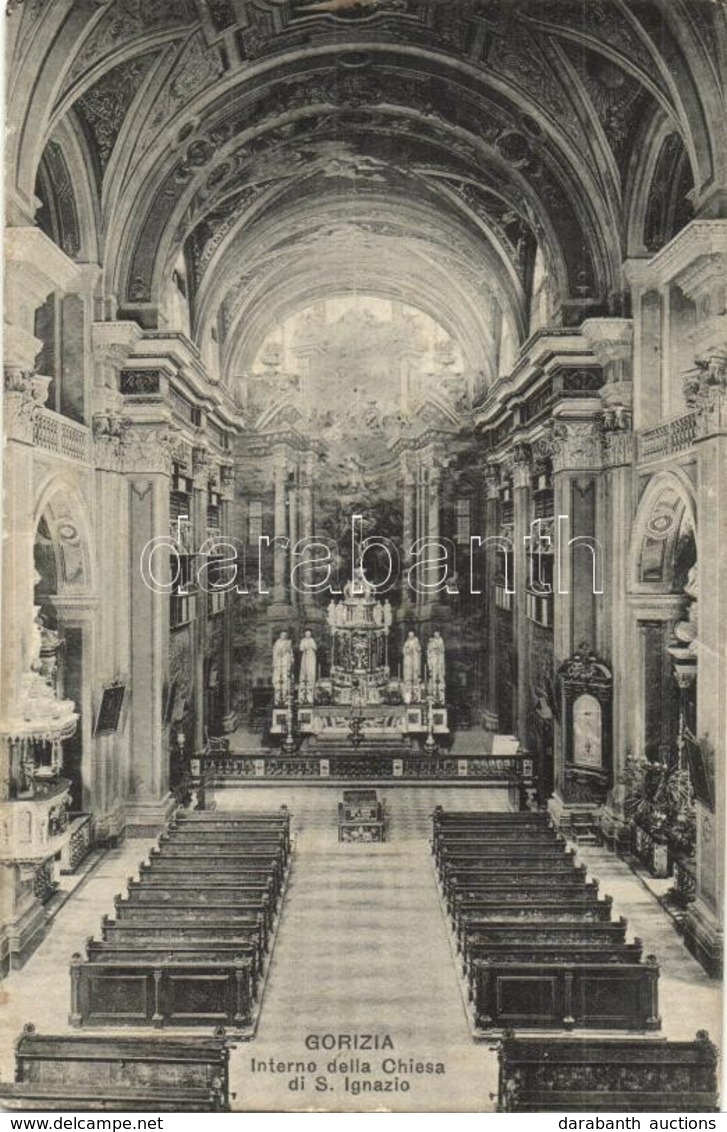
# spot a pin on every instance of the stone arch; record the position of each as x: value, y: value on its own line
x: 664, y: 525
x: 61, y: 510
x: 660, y: 190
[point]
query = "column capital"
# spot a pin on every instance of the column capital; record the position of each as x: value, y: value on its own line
x: 150, y: 448
x: 611, y: 339
x: 110, y: 430
x: 522, y: 468
x: 572, y: 445
x: 202, y: 466
x: 25, y: 393
x: 705, y: 391
x: 114, y: 341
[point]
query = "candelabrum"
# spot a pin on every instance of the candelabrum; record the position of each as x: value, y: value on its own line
x: 355, y: 726
x: 287, y: 696
x: 429, y: 743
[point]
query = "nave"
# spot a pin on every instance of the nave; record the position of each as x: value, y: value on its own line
x: 362, y: 947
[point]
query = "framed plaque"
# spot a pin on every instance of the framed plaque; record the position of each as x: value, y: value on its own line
x: 109, y: 712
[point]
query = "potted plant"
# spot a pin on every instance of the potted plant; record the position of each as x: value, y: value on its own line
x: 658, y: 803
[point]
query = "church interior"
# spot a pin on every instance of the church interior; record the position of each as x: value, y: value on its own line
x: 401, y: 716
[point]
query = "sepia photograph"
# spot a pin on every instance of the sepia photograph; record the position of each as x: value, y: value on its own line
x: 363, y: 690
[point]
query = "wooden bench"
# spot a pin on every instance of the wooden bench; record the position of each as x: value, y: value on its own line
x: 255, y: 887
x: 607, y: 1075
x: 159, y: 950
x: 173, y: 873
x: 441, y: 816
x: 167, y: 992
x: 220, y: 899
x: 566, y: 995
x: 546, y: 931
x: 188, y: 915
x: 489, y: 855
x: 62, y: 1073
x: 219, y: 843
x: 458, y: 876
x: 458, y: 895
x: 187, y: 861
x: 516, y: 952
x: 158, y: 933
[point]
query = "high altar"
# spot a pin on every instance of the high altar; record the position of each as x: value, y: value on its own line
x: 360, y: 699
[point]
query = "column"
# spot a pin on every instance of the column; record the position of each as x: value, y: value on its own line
x: 521, y: 482
x: 293, y: 529
x: 665, y: 297
x: 110, y: 755
x: 408, y: 479
x: 490, y: 713
x: 202, y: 473
x: 280, y: 605
x: 574, y: 442
x: 612, y: 341
x: 147, y: 462
x: 702, y: 280
x: 229, y: 707
x: 35, y: 267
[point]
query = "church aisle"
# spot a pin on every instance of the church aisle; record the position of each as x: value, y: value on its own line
x: 689, y: 1000
x: 362, y: 949
x: 41, y: 991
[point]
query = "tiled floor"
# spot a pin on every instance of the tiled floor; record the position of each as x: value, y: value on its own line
x: 362, y: 949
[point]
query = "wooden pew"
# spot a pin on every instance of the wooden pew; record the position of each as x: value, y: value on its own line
x: 246, y: 914
x: 476, y: 934
x: 175, y: 874
x: 563, y: 866
x: 220, y: 895
x: 187, y: 861
x: 70, y: 1072
x: 525, y: 890
x: 559, y: 952
x: 472, y: 878
x: 566, y: 995
x: 157, y: 934
x: 518, y: 912
x: 607, y: 1075
x: 521, y: 851
x: 220, y: 844
x: 256, y: 887
x: 161, y: 950
x: 523, y: 818
x: 166, y: 992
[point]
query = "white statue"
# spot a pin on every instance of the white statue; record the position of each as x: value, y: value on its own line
x: 435, y: 664
x: 282, y: 666
x: 378, y: 615
x: 388, y: 614
x: 412, y: 652
x: 308, y: 649
x: 332, y: 612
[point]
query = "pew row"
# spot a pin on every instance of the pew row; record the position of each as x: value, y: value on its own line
x: 66, y: 1073
x: 566, y: 995
x: 607, y: 1075
x: 147, y: 992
